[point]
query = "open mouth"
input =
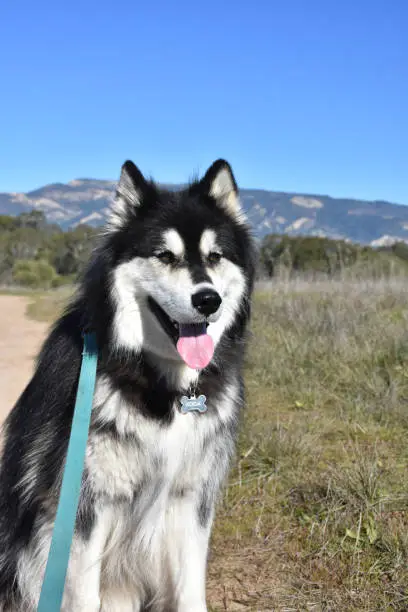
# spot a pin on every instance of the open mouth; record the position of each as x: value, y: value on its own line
x: 193, y: 343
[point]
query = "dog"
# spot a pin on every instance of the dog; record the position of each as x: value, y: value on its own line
x: 167, y: 293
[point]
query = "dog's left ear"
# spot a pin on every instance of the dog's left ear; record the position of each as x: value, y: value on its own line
x: 129, y: 194
x: 220, y: 184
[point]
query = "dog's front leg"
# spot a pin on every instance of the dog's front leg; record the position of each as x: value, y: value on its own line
x: 82, y: 587
x: 189, y: 527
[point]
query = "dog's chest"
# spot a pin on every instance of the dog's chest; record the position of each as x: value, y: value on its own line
x: 130, y: 454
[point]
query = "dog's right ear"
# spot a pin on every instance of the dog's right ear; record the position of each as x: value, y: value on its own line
x: 129, y: 194
x: 220, y: 184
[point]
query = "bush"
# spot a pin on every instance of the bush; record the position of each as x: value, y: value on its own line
x: 290, y: 255
x: 29, y: 237
x: 34, y: 274
x: 26, y: 278
x: 61, y: 281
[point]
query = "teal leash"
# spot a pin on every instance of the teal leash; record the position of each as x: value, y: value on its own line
x: 58, y: 558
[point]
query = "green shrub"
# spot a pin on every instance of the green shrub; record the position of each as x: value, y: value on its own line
x: 29, y: 237
x: 34, y: 274
x: 61, y: 281
x: 26, y: 278
x: 290, y: 255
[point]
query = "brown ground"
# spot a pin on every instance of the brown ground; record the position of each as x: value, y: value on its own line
x: 20, y: 340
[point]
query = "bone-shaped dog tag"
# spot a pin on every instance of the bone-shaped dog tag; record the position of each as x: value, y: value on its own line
x: 191, y: 404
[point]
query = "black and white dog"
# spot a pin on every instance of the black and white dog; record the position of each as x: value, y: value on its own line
x: 168, y: 295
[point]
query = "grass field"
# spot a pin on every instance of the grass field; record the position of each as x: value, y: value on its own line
x: 315, y: 515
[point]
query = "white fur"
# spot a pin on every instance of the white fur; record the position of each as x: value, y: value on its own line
x: 127, y: 324
x: 223, y: 190
x: 156, y: 545
x: 127, y: 197
x: 135, y: 325
x: 162, y: 533
x: 208, y: 242
x: 31, y: 566
x: 82, y: 592
x: 172, y: 241
x: 82, y: 586
x: 28, y: 482
x: 165, y: 530
x: 230, y: 283
x: 152, y: 484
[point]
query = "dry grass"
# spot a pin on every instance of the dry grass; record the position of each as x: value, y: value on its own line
x: 46, y: 306
x: 315, y: 516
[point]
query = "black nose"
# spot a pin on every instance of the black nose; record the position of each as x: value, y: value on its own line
x: 206, y: 302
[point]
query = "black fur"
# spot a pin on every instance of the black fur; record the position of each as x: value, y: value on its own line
x: 42, y: 417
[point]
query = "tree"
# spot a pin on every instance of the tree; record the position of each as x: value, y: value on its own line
x: 33, y: 273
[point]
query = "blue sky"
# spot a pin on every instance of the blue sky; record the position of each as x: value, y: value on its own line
x: 299, y: 95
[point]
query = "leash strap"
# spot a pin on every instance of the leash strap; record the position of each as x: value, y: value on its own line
x: 58, y: 558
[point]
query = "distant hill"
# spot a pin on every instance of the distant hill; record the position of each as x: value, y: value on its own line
x: 86, y: 201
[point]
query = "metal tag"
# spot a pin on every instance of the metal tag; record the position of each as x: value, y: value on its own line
x: 191, y: 404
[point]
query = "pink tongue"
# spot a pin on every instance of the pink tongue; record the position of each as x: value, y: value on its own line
x: 195, y: 346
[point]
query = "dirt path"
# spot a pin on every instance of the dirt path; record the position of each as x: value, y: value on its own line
x: 20, y: 340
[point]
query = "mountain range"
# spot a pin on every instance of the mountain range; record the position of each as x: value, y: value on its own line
x: 87, y: 201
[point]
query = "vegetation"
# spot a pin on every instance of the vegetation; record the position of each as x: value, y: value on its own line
x: 36, y: 254
x: 286, y: 257
x: 47, y: 306
x: 315, y: 514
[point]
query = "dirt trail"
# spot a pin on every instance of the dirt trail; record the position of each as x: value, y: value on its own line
x: 20, y: 340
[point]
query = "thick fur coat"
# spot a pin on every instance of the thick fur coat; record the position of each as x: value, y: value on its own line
x: 167, y: 262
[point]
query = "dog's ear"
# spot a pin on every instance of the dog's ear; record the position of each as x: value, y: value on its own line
x: 220, y: 184
x: 129, y: 194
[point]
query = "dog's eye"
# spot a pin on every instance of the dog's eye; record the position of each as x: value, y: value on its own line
x: 213, y: 257
x: 167, y: 257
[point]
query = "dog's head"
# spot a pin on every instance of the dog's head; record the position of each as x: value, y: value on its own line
x: 182, y: 264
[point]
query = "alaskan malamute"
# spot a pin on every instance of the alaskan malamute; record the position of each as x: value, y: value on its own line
x: 168, y: 295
